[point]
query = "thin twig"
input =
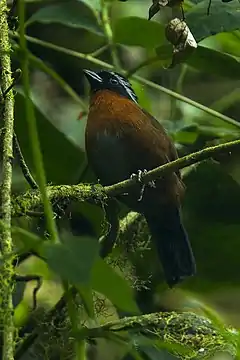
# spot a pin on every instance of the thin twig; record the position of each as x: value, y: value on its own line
x: 140, y: 79
x: 28, y: 278
x: 173, y: 166
x: 7, y: 273
x: 55, y: 76
x: 105, y: 8
x: 23, y: 165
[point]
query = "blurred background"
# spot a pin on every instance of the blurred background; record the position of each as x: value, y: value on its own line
x: 67, y: 36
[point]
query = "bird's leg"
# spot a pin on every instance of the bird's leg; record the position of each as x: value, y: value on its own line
x: 139, y: 178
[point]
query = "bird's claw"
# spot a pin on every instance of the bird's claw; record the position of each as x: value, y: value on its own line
x: 139, y: 178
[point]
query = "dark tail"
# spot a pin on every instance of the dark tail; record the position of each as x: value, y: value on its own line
x: 173, y: 246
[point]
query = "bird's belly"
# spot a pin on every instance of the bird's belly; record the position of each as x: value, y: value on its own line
x: 114, y: 159
x: 108, y: 156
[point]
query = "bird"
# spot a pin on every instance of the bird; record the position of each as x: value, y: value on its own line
x: 123, y: 139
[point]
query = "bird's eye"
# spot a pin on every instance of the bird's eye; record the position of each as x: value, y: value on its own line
x: 113, y: 81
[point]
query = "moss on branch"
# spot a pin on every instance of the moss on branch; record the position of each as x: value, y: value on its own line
x: 31, y: 201
x: 188, y: 335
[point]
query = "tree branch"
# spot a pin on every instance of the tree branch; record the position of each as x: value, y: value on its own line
x: 7, y: 273
x: 31, y: 201
x: 189, y: 335
x: 173, y: 166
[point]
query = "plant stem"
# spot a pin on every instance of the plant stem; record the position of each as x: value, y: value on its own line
x: 105, y: 6
x: 61, y: 82
x: 136, y: 77
x: 37, y: 156
x: 188, y: 101
x: 7, y: 272
x: 32, y: 128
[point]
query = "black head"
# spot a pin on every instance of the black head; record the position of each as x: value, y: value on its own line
x: 109, y: 80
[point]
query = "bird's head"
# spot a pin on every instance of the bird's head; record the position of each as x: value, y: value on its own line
x: 109, y: 80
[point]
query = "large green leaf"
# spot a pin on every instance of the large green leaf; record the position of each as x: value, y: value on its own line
x: 70, y: 13
x: 94, y: 4
x: 136, y: 31
x: 223, y: 17
x: 73, y: 259
x: 62, y: 159
x: 229, y: 42
x: 106, y: 281
x: 214, y: 62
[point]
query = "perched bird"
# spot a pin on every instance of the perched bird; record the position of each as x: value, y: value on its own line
x: 121, y: 139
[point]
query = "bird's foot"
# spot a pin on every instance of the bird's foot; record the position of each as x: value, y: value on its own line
x: 139, y: 178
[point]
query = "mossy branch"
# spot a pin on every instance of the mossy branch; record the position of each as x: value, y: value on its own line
x: 31, y: 200
x: 188, y: 335
x: 7, y: 109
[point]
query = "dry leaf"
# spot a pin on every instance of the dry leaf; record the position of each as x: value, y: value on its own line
x: 179, y: 35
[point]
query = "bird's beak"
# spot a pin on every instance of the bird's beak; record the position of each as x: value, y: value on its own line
x: 92, y: 77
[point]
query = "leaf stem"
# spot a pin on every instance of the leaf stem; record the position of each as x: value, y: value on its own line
x: 48, y: 70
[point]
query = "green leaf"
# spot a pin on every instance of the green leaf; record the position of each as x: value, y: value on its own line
x: 57, y: 151
x: 29, y: 240
x: 229, y: 42
x: 107, y: 282
x: 137, y: 31
x: 223, y: 17
x: 71, y: 13
x: 207, y: 60
x: 73, y: 259
x: 95, y: 5
x: 214, y: 62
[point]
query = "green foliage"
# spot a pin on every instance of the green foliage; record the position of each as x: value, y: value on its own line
x: 67, y: 36
x: 59, y: 159
x: 73, y: 260
x: 106, y: 281
x: 223, y: 17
